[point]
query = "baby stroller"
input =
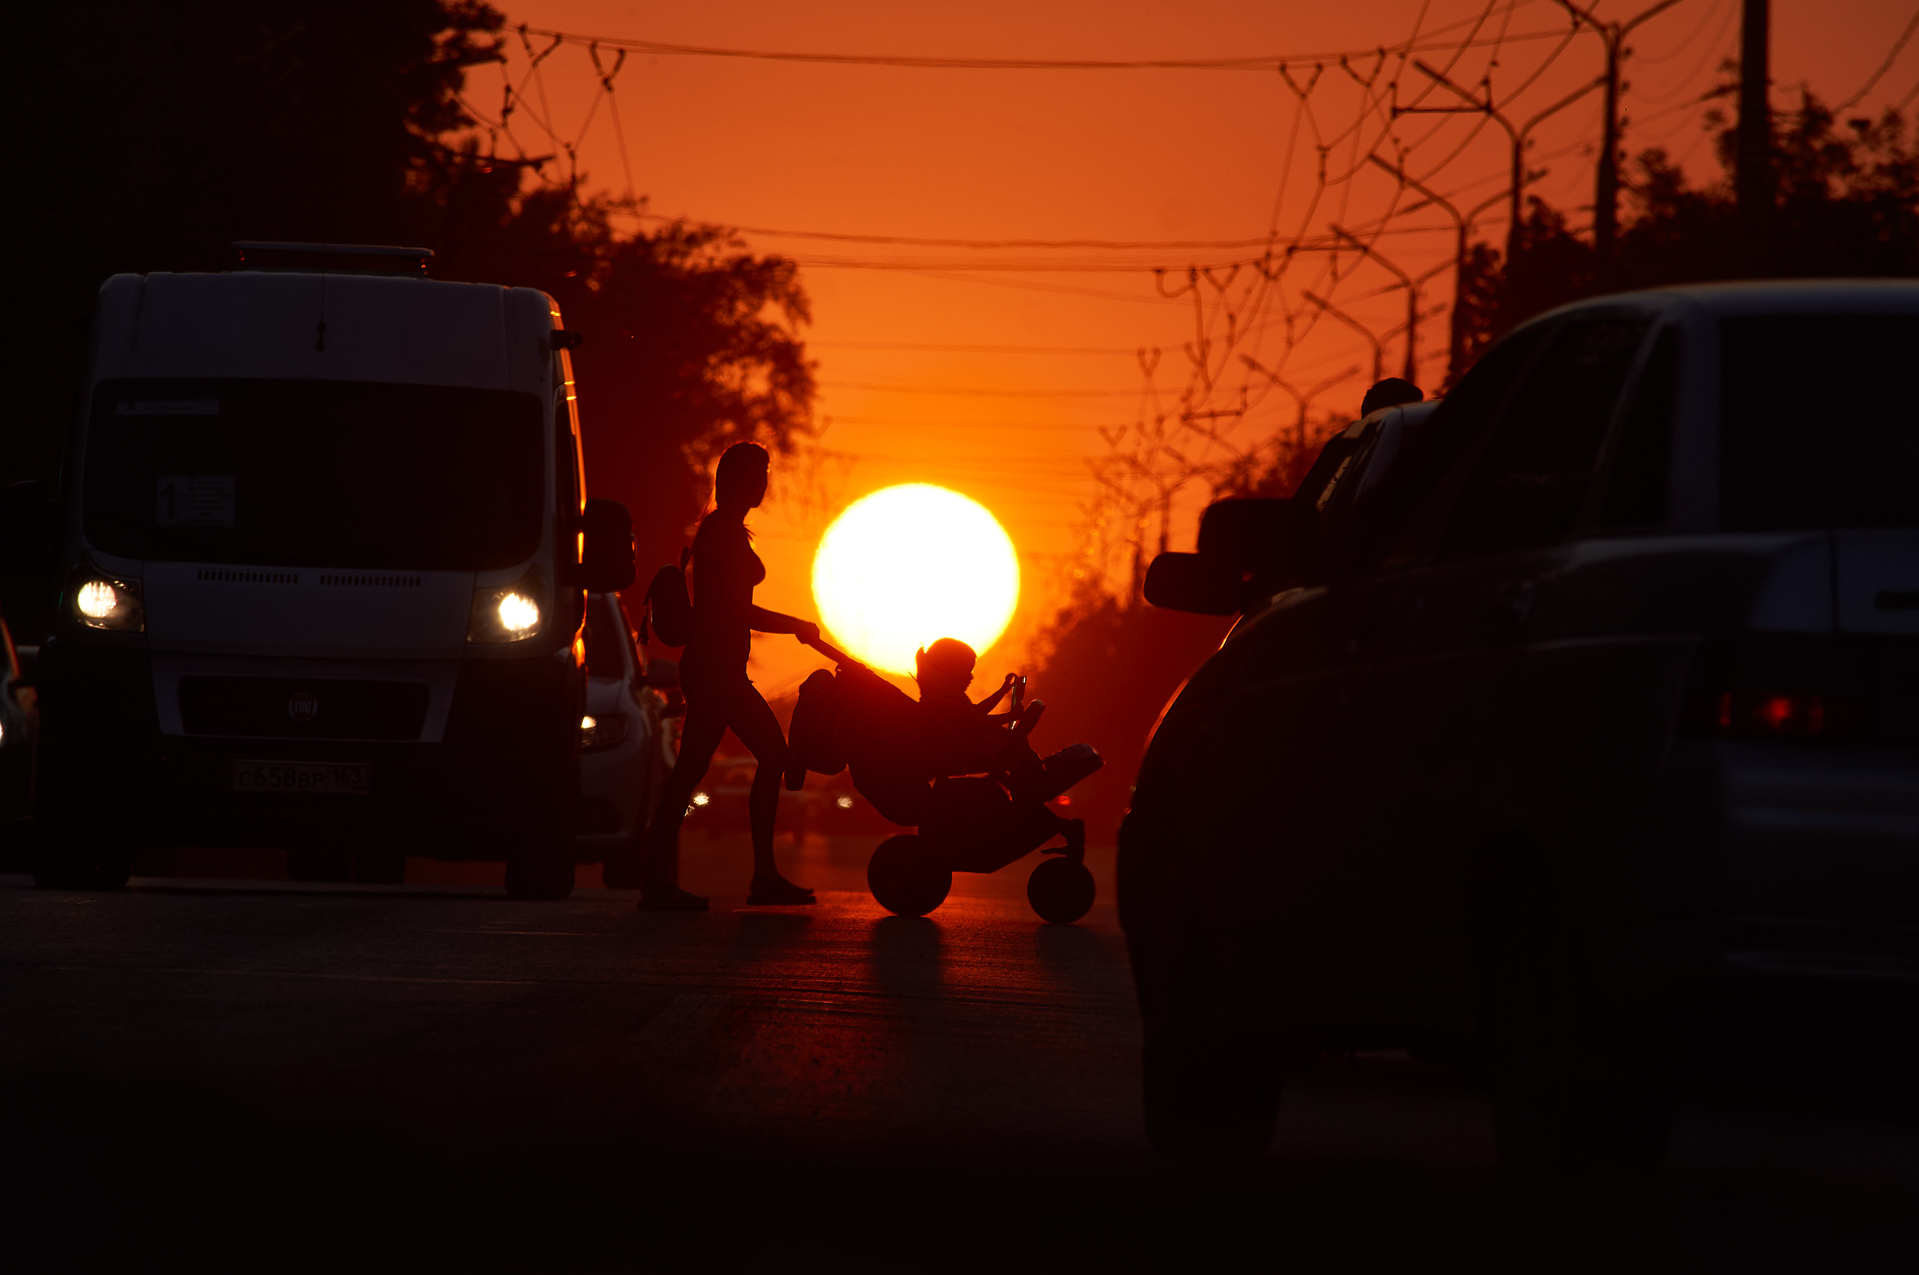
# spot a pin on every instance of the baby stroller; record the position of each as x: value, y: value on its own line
x: 858, y: 721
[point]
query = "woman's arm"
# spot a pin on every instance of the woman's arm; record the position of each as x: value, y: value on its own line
x: 763, y: 621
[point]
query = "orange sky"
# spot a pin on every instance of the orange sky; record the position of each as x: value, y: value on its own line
x: 998, y: 381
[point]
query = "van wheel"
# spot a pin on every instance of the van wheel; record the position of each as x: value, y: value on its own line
x: 1582, y: 1080
x: 99, y: 862
x: 78, y: 843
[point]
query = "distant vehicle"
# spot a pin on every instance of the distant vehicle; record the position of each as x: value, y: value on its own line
x: 325, y: 560
x: 719, y: 804
x: 1605, y: 713
x: 827, y: 805
x: 19, y: 731
x: 626, y: 739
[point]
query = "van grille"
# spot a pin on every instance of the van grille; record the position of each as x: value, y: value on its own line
x: 363, y: 581
x: 292, y: 708
x: 229, y: 575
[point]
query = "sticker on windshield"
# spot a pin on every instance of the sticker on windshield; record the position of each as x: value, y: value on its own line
x: 194, y: 500
x: 167, y: 407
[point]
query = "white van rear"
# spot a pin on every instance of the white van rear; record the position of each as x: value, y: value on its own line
x: 325, y: 526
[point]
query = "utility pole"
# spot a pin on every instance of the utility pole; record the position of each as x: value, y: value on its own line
x: 1606, y: 181
x: 1754, y: 178
x: 1516, y: 136
x: 1412, y: 297
x: 1304, y: 400
x: 1379, y: 351
x: 1455, y: 334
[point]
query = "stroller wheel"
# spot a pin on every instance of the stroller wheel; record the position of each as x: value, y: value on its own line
x: 904, y: 879
x: 1060, y: 890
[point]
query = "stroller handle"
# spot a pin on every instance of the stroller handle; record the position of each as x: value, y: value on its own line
x: 830, y: 651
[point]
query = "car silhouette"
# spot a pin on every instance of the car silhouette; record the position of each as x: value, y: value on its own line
x: 1599, y: 711
x: 19, y: 730
x: 627, y: 744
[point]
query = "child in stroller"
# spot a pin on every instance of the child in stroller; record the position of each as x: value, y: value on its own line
x: 964, y: 778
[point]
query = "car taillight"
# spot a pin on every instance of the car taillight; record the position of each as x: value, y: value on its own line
x: 1786, y: 715
x: 1788, y: 687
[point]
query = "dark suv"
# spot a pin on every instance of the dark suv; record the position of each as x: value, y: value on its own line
x: 1608, y: 702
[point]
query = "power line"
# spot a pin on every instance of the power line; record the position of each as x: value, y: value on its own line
x: 972, y: 392
x: 1127, y: 350
x: 915, y: 241
x: 1258, y: 62
x: 1082, y: 267
x: 1028, y: 286
x: 1712, y: 12
x: 1891, y: 55
x: 1043, y: 427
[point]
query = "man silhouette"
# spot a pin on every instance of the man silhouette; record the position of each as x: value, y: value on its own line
x: 1390, y: 392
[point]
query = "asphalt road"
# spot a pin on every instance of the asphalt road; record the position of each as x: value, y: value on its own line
x: 243, y: 1070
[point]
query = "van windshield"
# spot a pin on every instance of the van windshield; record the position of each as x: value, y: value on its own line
x: 1819, y: 427
x: 314, y: 473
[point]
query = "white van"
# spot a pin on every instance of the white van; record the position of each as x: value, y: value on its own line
x: 326, y: 554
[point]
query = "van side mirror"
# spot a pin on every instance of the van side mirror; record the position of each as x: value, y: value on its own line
x: 606, y: 557
x: 1192, y: 582
x: 662, y: 675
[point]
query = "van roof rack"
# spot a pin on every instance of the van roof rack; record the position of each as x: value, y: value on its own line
x: 330, y: 258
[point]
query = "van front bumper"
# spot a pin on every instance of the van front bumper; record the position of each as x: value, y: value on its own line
x: 512, y: 729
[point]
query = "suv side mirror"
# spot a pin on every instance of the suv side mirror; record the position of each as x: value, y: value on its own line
x: 1193, y: 582
x: 1248, y: 548
x: 1267, y: 538
x: 662, y: 675
x: 606, y: 559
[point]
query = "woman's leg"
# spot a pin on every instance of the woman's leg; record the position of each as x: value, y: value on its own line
x: 759, y: 730
x: 699, y: 739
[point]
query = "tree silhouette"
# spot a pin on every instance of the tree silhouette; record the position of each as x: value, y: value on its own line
x: 1847, y: 206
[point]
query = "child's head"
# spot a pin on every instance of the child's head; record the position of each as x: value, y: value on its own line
x: 946, y: 667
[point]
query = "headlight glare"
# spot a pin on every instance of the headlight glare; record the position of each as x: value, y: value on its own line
x: 101, y: 602
x: 519, y: 614
x: 504, y: 615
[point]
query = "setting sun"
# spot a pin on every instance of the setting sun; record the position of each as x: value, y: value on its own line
x: 909, y: 564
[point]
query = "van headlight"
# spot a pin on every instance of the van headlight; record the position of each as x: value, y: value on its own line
x: 105, y: 602
x: 503, y: 615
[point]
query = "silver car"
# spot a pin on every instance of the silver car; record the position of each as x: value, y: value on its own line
x: 627, y: 738
x: 1599, y: 723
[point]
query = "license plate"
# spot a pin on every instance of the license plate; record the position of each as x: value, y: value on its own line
x: 302, y: 778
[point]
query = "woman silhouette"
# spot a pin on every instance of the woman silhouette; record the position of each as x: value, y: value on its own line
x: 718, y: 694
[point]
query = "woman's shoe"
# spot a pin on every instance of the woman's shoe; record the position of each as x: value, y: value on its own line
x: 779, y: 892
x: 671, y: 899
